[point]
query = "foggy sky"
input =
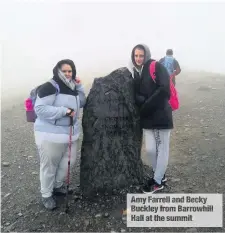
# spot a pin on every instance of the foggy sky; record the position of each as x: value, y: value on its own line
x: 99, y: 37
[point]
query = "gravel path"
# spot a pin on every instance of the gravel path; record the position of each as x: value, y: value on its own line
x: 197, y: 165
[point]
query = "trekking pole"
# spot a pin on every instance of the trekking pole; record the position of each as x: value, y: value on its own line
x: 68, y: 170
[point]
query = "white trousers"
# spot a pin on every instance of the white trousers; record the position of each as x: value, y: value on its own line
x: 157, y: 149
x: 54, y: 164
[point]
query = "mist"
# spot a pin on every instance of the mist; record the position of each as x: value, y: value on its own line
x: 99, y: 37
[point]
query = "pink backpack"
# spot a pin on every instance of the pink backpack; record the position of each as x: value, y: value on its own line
x: 174, y: 101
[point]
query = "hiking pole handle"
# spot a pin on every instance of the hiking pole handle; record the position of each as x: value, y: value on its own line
x: 71, y: 120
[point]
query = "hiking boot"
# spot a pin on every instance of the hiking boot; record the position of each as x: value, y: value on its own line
x: 62, y: 191
x: 49, y: 203
x: 155, y: 187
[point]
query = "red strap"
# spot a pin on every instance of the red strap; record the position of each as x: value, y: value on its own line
x: 152, y: 70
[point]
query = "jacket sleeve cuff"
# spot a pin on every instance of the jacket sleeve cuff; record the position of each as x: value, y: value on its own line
x: 64, y: 111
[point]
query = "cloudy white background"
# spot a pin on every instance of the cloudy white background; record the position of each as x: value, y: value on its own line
x: 99, y: 37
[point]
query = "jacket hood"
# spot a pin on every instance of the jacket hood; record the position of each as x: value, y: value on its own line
x: 68, y: 62
x: 146, y: 50
x: 132, y: 65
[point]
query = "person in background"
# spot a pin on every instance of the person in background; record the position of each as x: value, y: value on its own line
x: 52, y: 129
x: 171, y: 64
x: 155, y: 112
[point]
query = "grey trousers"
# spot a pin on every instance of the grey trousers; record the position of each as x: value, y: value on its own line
x: 54, y: 164
x: 157, y: 149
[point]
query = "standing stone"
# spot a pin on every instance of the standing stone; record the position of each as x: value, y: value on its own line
x: 110, y: 153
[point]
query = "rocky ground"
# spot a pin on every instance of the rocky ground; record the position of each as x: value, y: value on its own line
x: 197, y: 165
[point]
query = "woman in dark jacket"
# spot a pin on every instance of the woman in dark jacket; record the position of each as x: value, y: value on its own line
x: 156, y: 117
